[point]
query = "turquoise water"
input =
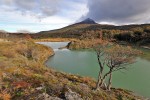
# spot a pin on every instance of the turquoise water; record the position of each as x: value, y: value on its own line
x: 136, y: 78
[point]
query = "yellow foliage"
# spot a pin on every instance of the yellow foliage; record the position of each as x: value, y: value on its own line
x: 4, y: 95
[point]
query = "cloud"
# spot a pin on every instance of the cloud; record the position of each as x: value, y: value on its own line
x: 119, y: 11
x: 40, y: 15
x: 39, y: 8
x: 23, y: 31
x: 74, y: 9
x: 46, y: 8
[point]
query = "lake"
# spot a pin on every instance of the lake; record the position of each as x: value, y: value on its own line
x: 84, y: 63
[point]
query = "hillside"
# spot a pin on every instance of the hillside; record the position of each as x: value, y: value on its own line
x: 71, y: 31
x: 139, y: 34
x: 89, y: 29
x: 23, y: 76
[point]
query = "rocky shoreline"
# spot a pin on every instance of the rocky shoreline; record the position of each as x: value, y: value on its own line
x: 146, y: 47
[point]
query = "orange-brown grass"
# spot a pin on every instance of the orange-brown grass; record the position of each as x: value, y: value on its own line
x: 55, y: 40
x: 4, y: 95
x: 23, y: 76
x: 85, y: 44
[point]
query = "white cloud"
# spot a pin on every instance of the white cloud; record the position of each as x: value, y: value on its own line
x: 56, y: 20
x: 39, y: 15
x: 40, y: 8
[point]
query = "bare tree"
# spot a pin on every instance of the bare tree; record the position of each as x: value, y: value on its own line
x: 100, y: 51
x: 115, y: 58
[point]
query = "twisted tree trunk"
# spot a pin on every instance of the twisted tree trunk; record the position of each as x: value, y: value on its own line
x: 99, y: 80
x: 109, y: 82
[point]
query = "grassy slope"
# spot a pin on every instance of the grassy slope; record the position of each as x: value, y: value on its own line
x: 23, y: 76
x: 55, y: 40
x: 82, y: 44
x: 134, y: 34
x: 77, y: 28
x: 71, y: 31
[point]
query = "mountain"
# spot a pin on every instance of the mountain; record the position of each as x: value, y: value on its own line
x: 89, y: 29
x: 3, y: 31
x: 72, y: 31
x: 87, y: 21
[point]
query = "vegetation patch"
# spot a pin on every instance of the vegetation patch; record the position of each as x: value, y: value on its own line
x: 23, y: 76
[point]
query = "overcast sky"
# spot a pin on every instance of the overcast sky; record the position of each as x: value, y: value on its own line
x: 39, y: 15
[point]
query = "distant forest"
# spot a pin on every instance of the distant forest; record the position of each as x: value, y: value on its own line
x: 130, y: 33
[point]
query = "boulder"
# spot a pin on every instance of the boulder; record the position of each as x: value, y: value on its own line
x: 70, y: 95
x: 45, y: 96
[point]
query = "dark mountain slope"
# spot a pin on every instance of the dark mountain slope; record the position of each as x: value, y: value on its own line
x: 87, y: 29
x: 87, y: 21
x: 72, y: 31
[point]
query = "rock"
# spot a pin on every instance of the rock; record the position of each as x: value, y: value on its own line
x: 68, y: 45
x: 70, y: 95
x: 45, y: 96
x: 145, y: 47
x: 62, y: 48
x: 39, y: 88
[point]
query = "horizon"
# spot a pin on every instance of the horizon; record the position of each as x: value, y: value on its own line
x: 38, y: 15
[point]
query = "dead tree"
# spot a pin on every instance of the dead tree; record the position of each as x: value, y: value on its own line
x: 115, y: 58
x: 100, y: 51
x: 118, y: 58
